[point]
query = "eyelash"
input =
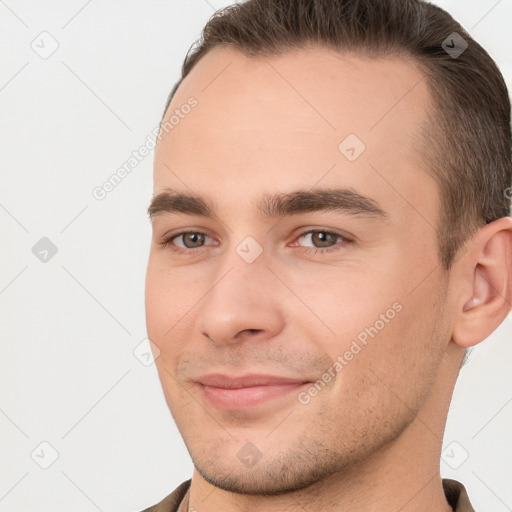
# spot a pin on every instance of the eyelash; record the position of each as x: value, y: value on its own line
x: 307, y: 250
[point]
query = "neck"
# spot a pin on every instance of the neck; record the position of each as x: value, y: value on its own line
x: 404, y: 475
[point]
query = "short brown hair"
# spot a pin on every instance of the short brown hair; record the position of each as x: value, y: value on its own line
x: 467, y: 139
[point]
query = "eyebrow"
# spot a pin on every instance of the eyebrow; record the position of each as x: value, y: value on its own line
x: 343, y: 200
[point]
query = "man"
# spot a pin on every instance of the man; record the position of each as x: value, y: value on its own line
x: 331, y: 233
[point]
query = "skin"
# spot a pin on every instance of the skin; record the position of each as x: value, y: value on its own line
x: 371, y: 439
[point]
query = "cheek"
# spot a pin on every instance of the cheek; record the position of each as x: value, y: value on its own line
x: 386, y: 332
x: 405, y: 355
x: 170, y: 297
x: 159, y: 324
x: 156, y: 304
x: 355, y: 307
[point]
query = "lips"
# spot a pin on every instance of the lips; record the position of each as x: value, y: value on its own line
x: 237, y: 393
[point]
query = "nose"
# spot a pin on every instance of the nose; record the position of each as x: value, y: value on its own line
x: 243, y: 304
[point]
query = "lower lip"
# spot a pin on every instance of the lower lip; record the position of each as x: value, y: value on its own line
x: 243, y: 398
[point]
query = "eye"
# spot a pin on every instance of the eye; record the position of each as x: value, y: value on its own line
x: 316, y: 240
x: 190, y: 240
x: 186, y: 240
x: 321, y: 240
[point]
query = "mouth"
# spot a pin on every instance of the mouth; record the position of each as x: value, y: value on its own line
x: 238, y: 393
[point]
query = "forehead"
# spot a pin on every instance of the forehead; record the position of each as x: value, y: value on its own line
x: 275, y: 124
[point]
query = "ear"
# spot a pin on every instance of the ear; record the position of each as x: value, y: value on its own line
x: 485, y: 281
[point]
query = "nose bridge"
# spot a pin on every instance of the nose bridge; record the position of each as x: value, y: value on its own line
x: 242, y: 297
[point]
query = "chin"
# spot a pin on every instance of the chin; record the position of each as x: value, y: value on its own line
x: 261, y: 483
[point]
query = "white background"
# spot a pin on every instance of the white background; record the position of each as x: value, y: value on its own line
x: 69, y: 326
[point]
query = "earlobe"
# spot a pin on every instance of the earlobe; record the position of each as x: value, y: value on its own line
x: 486, y: 284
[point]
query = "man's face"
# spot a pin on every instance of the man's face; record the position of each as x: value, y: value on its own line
x: 252, y: 312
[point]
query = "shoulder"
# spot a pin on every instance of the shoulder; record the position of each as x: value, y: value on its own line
x: 171, y: 502
x: 457, y: 496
